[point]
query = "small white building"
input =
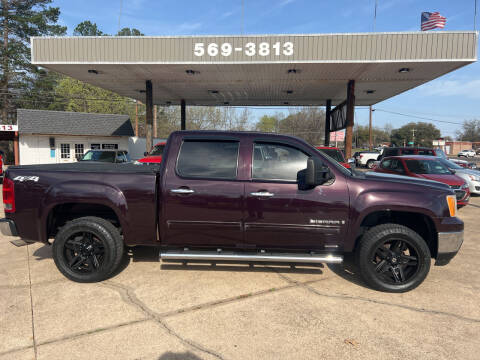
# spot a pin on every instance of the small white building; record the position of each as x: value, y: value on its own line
x: 47, y: 137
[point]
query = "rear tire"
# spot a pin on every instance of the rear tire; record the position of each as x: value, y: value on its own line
x: 88, y: 249
x: 370, y: 164
x: 393, y: 258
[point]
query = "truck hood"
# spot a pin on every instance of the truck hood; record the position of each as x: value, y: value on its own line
x: 405, y: 180
x: 446, y: 179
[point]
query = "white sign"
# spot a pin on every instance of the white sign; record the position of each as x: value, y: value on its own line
x: 8, y: 127
x: 337, y: 136
x: 438, y: 142
x: 249, y: 49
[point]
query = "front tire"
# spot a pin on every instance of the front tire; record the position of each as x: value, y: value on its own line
x: 87, y: 249
x: 393, y: 258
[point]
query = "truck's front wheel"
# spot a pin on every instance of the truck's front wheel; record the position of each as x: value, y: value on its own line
x: 87, y: 249
x: 393, y: 258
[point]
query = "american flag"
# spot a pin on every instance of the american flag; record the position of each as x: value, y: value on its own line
x: 432, y: 20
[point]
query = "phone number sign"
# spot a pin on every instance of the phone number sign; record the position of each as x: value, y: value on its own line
x: 250, y: 49
x: 8, y: 127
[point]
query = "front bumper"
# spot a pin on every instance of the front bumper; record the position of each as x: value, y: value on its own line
x: 8, y: 228
x: 448, y: 245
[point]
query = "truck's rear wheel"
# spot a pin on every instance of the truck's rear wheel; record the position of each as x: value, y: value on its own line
x: 393, y: 258
x: 87, y: 249
x: 370, y: 164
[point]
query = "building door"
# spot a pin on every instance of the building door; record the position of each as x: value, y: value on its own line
x: 69, y: 151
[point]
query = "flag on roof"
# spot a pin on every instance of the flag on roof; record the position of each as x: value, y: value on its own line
x: 432, y: 20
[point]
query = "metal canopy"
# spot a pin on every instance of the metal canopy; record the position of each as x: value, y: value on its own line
x: 259, y: 70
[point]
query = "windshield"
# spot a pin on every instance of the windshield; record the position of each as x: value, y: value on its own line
x: 334, y: 154
x: 157, y: 150
x: 103, y: 156
x: 450, y: 164
x: 427, y: 167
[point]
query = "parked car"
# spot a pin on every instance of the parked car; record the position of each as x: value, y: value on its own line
x: 155, y: 155
x: 471, y: 177
x: 2, y: 167
x: 464, y: 163
x: 399, y: 151
x: 251, y: 197
x: 111, y: 156
x: 466, y: 153
x: 426, y: 167
x: 336, y: 154
x: 368, y: 158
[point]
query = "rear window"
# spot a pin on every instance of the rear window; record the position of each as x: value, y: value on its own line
x: 408, y: 151
x: 426, y: 152
x: 427, y: 167
x: 389, y: 152
x: 208, y: 159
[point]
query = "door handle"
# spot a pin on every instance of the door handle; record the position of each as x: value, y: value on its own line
x: 182, y: 191
x: 264, y: 194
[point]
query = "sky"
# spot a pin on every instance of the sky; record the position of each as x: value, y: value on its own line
x: 454, y: 97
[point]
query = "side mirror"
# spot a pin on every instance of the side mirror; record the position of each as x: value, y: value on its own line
x: 145, y: 153
x: 315, y: 174
x: 453, y: 171
x: 351, y: 161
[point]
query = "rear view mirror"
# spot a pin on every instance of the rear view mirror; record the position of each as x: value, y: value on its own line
x: 315, y: 174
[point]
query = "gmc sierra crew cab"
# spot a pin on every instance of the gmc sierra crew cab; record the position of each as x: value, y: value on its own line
x: 235, y: 196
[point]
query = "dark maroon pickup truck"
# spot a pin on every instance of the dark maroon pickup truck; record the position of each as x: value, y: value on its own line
x: 235, y: 196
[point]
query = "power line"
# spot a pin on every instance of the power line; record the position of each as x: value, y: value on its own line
x: 418, y: 117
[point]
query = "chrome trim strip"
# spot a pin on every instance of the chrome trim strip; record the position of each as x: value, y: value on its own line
x: 449, y: 242
x: 231, y: 256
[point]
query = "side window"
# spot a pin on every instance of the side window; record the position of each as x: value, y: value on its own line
x: 208, y: 159
x: 397, y: 166
x: 408, y: 151
x: 389, y: 152
x: 386, y: 164
x: 277, y: 162
x: 426, y: 152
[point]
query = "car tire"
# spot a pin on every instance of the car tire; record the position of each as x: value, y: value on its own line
x: 370, y: 164
x: 393, y: 258
x: 88, y: 249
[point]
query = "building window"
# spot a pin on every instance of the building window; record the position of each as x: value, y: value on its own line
x: 109, y: 146
x: 65, y: 151
x: 78, y: 150
x: 95, y: 146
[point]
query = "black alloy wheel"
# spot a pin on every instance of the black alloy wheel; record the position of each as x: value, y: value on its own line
x: 84, y: 252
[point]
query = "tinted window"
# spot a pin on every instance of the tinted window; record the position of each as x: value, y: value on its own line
x: 208, y: 159
x: 396, y: 165
x: 427, y: 167
x: 103, y: 156
x: 389, y: 152
x: 334, y: 153
x: 386, y: 164
x: 277, y: 162
x: 425, y: 152
x: 408, y: 151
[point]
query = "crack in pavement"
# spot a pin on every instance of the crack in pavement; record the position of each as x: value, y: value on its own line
x: 128, y: 295
x: 31, y: 304
x: 351, y: 297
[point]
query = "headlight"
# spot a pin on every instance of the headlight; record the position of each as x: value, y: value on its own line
x: 474, y: 178
x: 452, y: 205
x: 465, y: 186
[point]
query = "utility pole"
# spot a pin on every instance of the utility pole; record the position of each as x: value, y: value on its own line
x: 5, y: 59
x: 370, y: 145
x: 413, y: 136
x: 154, y: 121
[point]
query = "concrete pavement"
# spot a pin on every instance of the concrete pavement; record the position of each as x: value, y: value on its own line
x: 150, y: 311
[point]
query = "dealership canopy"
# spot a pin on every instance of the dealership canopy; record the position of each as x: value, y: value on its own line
x: 259, y: 69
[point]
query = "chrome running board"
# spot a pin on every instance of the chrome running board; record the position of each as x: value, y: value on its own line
x: 185, y: 256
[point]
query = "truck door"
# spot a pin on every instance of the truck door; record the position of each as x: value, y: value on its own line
x: 202, y: 198
x: 279, y: 215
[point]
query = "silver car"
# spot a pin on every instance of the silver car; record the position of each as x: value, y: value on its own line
x: 472, y: 177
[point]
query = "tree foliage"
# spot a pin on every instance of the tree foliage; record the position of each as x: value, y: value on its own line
x: 470, y: 130
x: 87, y: 28
x: 129, y: 32
x: 421, y: 133
x: 19, y: 21
x: 361, y: 136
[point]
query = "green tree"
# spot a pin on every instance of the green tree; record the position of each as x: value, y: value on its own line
x: 87, y: 28
x: 129, y: 32
x: 307, y: 123
x: 421, y: 133
x: 19, y: 21
x: 470, y: 130
x: 268, y: 123
x: 361, y: 136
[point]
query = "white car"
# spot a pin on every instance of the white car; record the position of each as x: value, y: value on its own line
x: 467, y: 153
x: 367, y: 159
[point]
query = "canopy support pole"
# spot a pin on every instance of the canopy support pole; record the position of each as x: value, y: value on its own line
x: 149, y: 115
x: 183, y: 114
x: 328, y: 113
x: 350, y: 118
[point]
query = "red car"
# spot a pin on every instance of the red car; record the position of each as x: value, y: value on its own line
x: 155, y: 155
x: 426, y: 167
x: 334, y: 153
